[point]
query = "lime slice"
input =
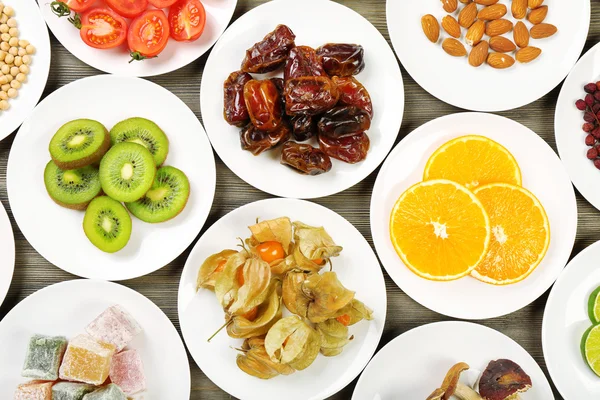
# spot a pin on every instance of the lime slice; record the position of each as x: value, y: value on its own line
x: 594, y: 306
x: 590, y: 348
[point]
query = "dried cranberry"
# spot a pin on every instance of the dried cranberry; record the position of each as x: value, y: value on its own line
x: 580, y: 104
x: 590, y: 88
x: 598, y: 85
x: 596, y: 107
x: 597, y: 96
x: 589, y: 100
x: 596, y: 133
x: 592, y: 153
x: 587, y: 127
x: 589, y: 117
x: 590, y: 140
x: 597, y: 164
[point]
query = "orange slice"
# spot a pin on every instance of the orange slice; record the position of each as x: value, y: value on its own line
x: 473, y: 161
x: 520, y: 234
x: 440, y: 230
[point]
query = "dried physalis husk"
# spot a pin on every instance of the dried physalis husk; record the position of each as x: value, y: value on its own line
x: 313, y: 247
x: 259, y: 321
x: 293, y: 342
x: 278, y: 230
x: 255, y: 361
x: 334, y: 336
x: 281, y: 267
x: 354, y: 312
x: 292, y: 289
x: 327, y: 296
x: 211, y: 268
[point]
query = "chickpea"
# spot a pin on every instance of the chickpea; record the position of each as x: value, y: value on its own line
x: 4, y: 28
x: 9, y: 78
x: 1, y: 7
x: 14, y: 32
x: 30, y: 49
x: 4, y: 46
x: 22, y: 52
x: 3, y: 18
x: 12, y: 23
x: 9, y: 58
x: 24, y: 68
x: 8, y: 11
x: 13, y: 50
x: 18, y: 61
x: 13, y: 42
x: 23, y: 43
x: 14, y: 71
x: 5, y: 69
x: 4, y: 105
x: 5, y: 37
x: 5, y: 87
x: 15, y: 84
x: 26, y: 60
x: 2, y: 55
x: 3, y: 80
x: 3, y: 95
x: 21, y: 77
x: 12, y: 93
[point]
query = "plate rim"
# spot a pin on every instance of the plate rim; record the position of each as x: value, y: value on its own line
x: 12, y: 255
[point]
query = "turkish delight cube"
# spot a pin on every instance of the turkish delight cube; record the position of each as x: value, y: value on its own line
x: 86, y: 360
x: 127, y: 371
x: 108, y: 392
x: 43, y: 357
x: 115, y: 326
x: 34, y: 390
x: 71, y: 390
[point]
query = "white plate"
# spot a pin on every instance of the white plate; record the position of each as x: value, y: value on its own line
x: 31, y: 27
x: 414, y: 364
x: 200, y: 313
x: 55, y: 232
x: 7, y: 253
x: 454, y: 81
x: 543, y: 174
x: 66, y: 308
x: 116, y: 61
x: 567, y: 127
x: 565, y: 321
x: 311, y: 21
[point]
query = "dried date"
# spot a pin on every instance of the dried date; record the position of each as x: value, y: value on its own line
x: 303, y: 127
x: 263, y: 103
x: 342, y: 59
x: 343, y: 121
x: 270, y: 53
x: 303, y: 61
x: 353, y: 93
x: 234, y: 109
x: 350, y: 149
x: 305, y: 158
x: 257, y: 141
x: 280, y: 85
x: 310, y: 95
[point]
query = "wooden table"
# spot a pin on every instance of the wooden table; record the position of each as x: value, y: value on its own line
x: 32, y: 272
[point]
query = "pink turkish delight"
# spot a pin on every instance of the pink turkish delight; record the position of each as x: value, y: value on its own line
x: 34, y: 390
x: 127, y: 371
x: 115, y: 326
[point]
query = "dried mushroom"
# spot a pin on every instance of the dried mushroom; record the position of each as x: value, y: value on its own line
x: 255, y: 361
x: 259, y: 322
x: 452, y: 387
x: 503, y: 380
x: 293, y: 342
x: 314, y: 247
x: 211, y: 268
x: 334, y: 336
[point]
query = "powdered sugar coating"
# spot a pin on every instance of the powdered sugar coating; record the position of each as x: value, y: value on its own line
x: 43, y: 357
x: 86, y: 360
x: 115, y: 326
x: 127, y: 371
x: 108, y: 392
x: 34, y: 390
x: 71, y: 390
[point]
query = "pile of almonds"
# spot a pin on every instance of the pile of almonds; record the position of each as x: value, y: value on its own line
x: 489, y: 21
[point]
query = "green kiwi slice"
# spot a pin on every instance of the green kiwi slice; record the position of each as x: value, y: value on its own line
x: 127, y: 171
x: 166, y: 199
x: 73, y: 188
x: 79, y: 143
x: 145, y: 132
x: 107, y: 224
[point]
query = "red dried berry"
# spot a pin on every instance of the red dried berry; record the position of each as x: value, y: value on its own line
x: 598, y: 85
x: 592, y: 153
x: 587, y: 127
x: 596, y: 107
x: 597, y: 164
x: 590, y: 88
x: 590, y: 140
x: 580, y: 104
x: 598, y: 115
x: 597, y: 96
x: 589, y: 117
x: 589, y: 99
x: 596, y: 133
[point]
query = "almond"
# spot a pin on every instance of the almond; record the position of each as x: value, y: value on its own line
x: 479, y: 54
x: 450, y: 5
x: 431, y: 27
x: 475, y: 33
x: 521, y: 35
x: 534, y: 3
x: 542, y: 30
x: 527, y: 54
x: 486, y: 2
x: 538, y: 15
x: 502, y: 44
x: 467, y: 15
x: 465, y: 1
x: 519, y: 8
x: 454, y: 47
x: 498, y: 27
x: 489, y: 13
x: 500, y: 60
x: 451, y: 26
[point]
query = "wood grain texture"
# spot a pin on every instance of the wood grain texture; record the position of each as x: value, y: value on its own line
x: 32, y: 272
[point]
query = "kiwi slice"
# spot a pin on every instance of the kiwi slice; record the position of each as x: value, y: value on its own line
x: 127, y: 171
x: 73, y: 188
x: 145, y: 132
x: 166, y: 199
x: 107, y: 224
x: 79, y: 143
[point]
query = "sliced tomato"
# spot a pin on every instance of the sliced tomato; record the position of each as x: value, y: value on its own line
x: 103, y: 28
x: 128, y: 8
x: 79, y: 5
x: 187, y: 19
x: 148, y: 34
x: 162, y: 3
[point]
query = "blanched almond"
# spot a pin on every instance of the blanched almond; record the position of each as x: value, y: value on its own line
x: 527, y: 54
x: 450, y: 5
x: 500, y: 60
x: 498, y: 27
x: 493, y: 12
x: 467, y: 15
x: 534, y: 3
x: 519, y: 8
x: 542, y: 30
x: 479, y: 54
x: 454, y: 47
x: 538, y: 15
x: 431, y: 27
x: 451, y: 26
x: 475, y: 33
x: 502, y: 44
x: 521, y: 35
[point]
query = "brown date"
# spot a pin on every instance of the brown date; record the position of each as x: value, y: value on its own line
x: 263, y: 103
x: 303, y: 127
x: 270, y: 53
x: 305, y: 158
x: 350, y: 149
x: 343, y: 121
x: 234, y: 109
x: 342, y: 59
x: 353, y: 93
x: 310, y: 95
x: 257, y: 141
x: 303, y: 61
x: 279, y: 84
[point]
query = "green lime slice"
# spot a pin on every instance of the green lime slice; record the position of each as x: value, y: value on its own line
x: 594, y: 306
x: 590, y: 348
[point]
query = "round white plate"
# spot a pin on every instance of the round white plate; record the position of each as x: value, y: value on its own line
x: 565, y: 321
x: 66, y: 308
x: 543, y: 174
x: 31, y: 27
x: 381, y: 77
x: 568, y: 121
x: 200, y: 313
x: 56, y: 232
x: 454, y: 81
x: 116, y: 61
x: 7, y: 253
x: 414, y: 364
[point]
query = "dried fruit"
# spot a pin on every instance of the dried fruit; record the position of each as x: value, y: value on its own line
x: 211, y: 268
x: 538, y: 15
x: 521, y: 34
x: 590, y: 88
x: 451, y: 26
x: 500, y: 60
x: 528, y: 54
x: 450, y: 5
x: 475, y: 33
x: 592, y: 153
x: 353, y: 93
x: 479, y: 54
x: 590, y: 140
x: 534, y: 3
x: 313, y: 243
x: 431, y: 27
x: 498, y: 27
x: 543, y: 30
x: 493, y: 12
x: 255, y: 361
x: 519, y: 8
x: 454, y: 47
x: 589, y: 99
x: 305, y: 159
x: 271, y: 52
x: 291, y: 341
x: 587, y: 127
x: 467, y: 15
x: 343, y: 59
x: 343, y: 121
x: 580, y: 104
x: 502, y: 44
x: 597, y: 163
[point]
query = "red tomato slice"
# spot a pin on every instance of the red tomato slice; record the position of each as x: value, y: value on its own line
x: 148, y: 34
x: 79, y: 5
x: 128, y: 8
x: 187, y: 19
x: 103, y: 28
x: 162, y: 3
